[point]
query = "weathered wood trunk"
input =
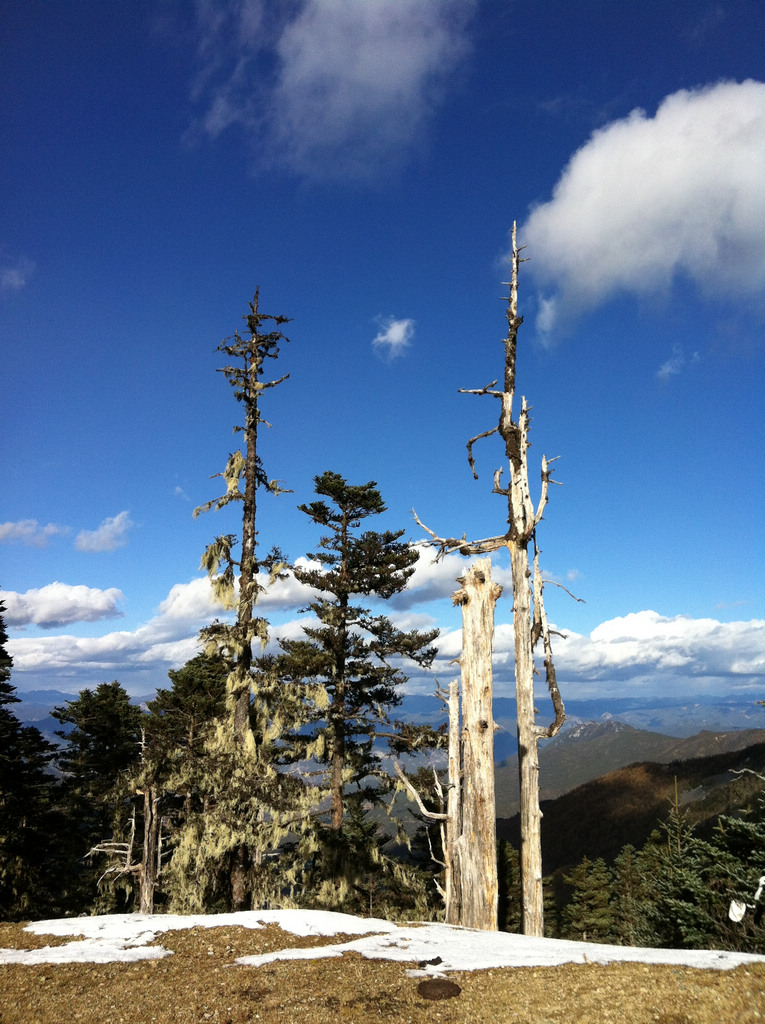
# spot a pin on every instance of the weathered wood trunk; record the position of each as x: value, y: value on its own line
x: 149, y: 863
x: 477, y: 843
x: 528, y: 749
x: 529, y: 619
x: 452, y: 873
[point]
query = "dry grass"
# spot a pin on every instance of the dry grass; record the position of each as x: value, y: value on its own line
x: 197, y: 985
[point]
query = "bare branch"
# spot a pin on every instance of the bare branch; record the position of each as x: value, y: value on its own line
x: 471, y: 442
x: 481, y: 391
x: 581, y: 600
x: 432, y: 815
x: 540, y: 622
x: 448, y: 545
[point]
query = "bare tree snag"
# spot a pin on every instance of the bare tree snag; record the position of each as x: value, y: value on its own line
x: 151, y: 850
x: 468, y: 822
x: 477, y: 842
x: 529, y: 619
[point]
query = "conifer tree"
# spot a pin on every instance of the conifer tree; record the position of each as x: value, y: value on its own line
x: 98, y: 753
x: 349, y: 662
x: 29, y: 874
x: 589, y: 916
x: 509, y: 876
x: 177, y: 723
x: 245, y: 790
x: 629, y: 893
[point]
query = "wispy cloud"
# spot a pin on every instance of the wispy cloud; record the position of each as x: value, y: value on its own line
x: 14, y: 274
x: 675, y: 364
x: 328, y: 89
x: 110, y: 535
x: 394, y: 336
x: 59, y: 604
x: 650, y: 198
x: 29, y: 531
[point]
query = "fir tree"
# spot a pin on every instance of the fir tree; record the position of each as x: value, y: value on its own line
x: 509, y: 912
x: 589, y: 915
x: 348, y: 663
x: 178, y: 722
x: 95, y: 759
x: 629, y: 891
x: 29, y: 875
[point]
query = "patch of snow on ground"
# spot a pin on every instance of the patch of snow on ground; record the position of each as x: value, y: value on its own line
x: 125, y: 937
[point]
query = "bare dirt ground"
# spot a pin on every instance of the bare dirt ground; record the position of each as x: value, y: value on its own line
x: 197, y: 985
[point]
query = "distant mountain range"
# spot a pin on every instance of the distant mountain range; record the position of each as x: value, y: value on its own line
x: 599, y: 817
x: 583, y: 751
x: 666, y: 715
x: 604, y: 781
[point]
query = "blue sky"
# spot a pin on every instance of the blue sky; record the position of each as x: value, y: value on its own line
x: 362, y: 163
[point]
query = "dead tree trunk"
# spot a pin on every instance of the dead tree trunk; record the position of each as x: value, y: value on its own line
x: 477, y: 842
x: 529, y: 618
x: 468, y: 822
x: 150, y: 860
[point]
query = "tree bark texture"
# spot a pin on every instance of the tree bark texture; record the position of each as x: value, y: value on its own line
x: 149, y: 865
x: 528, y: 749
x: 529, y: 618
x: 477, y: 842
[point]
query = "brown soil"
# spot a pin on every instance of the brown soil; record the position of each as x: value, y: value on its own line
x: 197, y: 985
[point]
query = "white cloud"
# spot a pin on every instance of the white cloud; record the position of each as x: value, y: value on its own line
x: 328, y: 89
x: 59, y: 604
x: 110, y: 535
x: 14, y: 275
x: 433, y: 581
x: 649, y: 653
x: 29, y: 531
x: 394, y: 336
x: 647, y: 199
x: 646, y: 645
x: 190, y: 602
x: 643, y: 654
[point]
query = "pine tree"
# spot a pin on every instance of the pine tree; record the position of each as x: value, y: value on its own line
x: 741, y: 842
x: 348, y: 663
x: 29, y: 876
x: 629, y: 889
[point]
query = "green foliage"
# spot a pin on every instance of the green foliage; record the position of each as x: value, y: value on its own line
x: 95, y: 759
x: 28, y: 819
x: 509, y: 914
x: 676, y: 891
x: 347, y: 670
x: 589, y: 914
